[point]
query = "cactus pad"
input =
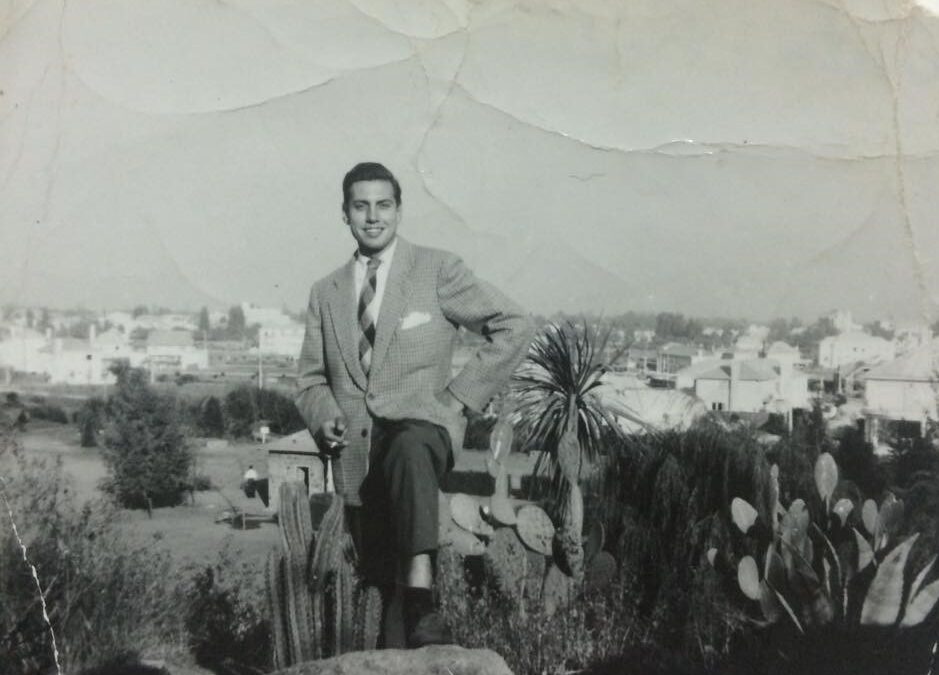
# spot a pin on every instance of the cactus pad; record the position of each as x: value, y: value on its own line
x: 558, y: 590
x: 461, y: 542
x: 502, y: 511
x: 535, y: 529
x: 466, y: 513
x: 506, y: 559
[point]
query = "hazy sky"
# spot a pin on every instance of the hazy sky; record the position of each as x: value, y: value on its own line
x: 726, y: 157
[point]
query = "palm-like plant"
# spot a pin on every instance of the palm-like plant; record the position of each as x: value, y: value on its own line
x: 556, y: 398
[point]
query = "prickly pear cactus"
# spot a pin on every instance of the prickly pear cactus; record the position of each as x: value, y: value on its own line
x: 507, y: 562
x: 804, y: 580
x: 535, y: 529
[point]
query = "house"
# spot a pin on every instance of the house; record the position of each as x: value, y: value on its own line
x: 21, y: 348
x: 281, y: 340
x: 265, y: 316
x: 296, y: 458
x: 748, y: 346
x: 673, y: 356
x: 835, y: 351
x: 751, y: 385
x: 784, y: 354
x: 175, y: 350
x: 903, y: 390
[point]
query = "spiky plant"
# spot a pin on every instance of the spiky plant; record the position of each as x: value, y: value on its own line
x: 555, y: 390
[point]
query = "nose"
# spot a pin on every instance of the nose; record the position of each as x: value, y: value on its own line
x: 372, y: 215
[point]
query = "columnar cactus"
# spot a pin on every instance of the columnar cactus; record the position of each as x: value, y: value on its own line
x: 319, y: 606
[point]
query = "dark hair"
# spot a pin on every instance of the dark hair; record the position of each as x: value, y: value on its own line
x: 368, y: 171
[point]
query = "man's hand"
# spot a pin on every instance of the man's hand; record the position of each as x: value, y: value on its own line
x: 448, y: 400
x: 332, y: 435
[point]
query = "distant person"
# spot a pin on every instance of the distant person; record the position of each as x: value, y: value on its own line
x: 248, y: 481
x: 375, y: 385
x: 250, y: 474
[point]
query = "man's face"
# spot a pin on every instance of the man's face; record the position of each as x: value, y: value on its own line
x: 373, y: 215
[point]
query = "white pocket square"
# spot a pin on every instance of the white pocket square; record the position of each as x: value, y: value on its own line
x: 414, y: 319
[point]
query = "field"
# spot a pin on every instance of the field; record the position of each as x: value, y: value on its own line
x: 189, y: 532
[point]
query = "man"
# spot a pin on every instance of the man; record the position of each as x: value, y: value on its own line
x: 375, y: 381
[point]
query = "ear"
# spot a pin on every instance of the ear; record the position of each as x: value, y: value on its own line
x: 345, y: 216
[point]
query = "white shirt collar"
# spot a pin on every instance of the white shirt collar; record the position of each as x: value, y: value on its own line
x: 385, y: 255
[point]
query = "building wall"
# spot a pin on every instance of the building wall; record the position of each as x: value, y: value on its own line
x: 748, y: 395
x: 902, y: 399
x: 840, y: 350
x: 288, y: 466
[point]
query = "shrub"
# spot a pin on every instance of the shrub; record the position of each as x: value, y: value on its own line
x: 145, y: 451
x: 241, y: 411
x: 211, y: 419
x: 90, y: 418
x: 598, y: 632
x: 49, y: 413
x: 280, y: 411
x: 105, y: 599
x: 225, y: 619
x: 245, y: 406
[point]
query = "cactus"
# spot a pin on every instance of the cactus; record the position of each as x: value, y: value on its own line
x: 295, y: 539
x: 535, y: 529
x: 275, y: 591
x: 462, y: 542
x: 467, y: 513
x: 803, y: 578
x: 506, y: 560
x: 319, y: 606
x: 557, y: 591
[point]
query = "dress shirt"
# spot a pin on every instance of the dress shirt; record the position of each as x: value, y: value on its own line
x: 381, y: 276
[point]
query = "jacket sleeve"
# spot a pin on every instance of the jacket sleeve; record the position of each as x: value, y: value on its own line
x: 486, y: 311
x: 315, y: 399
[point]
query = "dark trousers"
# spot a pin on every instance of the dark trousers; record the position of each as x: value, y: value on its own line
x: 408, y: 459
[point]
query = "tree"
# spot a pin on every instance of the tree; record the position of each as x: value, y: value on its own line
x: 145, y: 451
x: 90, y: 419
x: 139, y: 310
x: 211, y: 419
x: 30, y: 318
x: 236, y: 323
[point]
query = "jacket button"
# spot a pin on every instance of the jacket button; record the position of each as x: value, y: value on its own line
x: 364, y: 433
x: 371, y: 397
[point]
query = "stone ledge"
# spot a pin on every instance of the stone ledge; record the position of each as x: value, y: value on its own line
x: 437, y: 660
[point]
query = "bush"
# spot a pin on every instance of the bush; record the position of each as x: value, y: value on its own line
x: 211, y: 419
x: 105, y: 598
x: 245, y: 406
x: 241, y: 412
x: 598, y: 633
x: 145, y: 451
x: 225, y: 619
x: 90, y: 418
x: 49, y: 413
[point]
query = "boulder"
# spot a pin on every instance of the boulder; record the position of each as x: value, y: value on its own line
x: 436, y: 660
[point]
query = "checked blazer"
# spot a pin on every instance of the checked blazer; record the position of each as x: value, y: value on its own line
x: 429, y: 293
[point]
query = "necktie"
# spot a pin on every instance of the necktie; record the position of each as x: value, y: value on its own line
x: 367, y: 313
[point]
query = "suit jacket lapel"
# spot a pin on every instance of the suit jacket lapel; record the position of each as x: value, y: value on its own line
x: 393, y: 301
x: 342, y: 308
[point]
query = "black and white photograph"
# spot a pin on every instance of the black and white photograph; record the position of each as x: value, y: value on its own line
x: 469, y: 337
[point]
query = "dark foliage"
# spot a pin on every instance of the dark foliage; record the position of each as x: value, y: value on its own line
x: 211, y: 419
x: 145, y: 451
x: 90, y: 419
x: 246, y: 406
x: 48, y: 412
x: 227, y: 629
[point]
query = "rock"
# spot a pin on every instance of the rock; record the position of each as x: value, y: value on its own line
x: 437, y: 660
